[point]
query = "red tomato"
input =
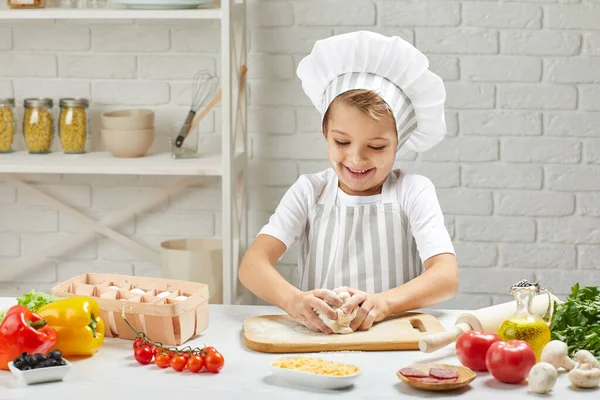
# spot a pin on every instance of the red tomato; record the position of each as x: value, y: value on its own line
x: 178, y: 363
x: 209, y: 349
x: 195, y: 363
x: 143, y: 355
x: 510, y: 361
x: 139, y: 342
x: 471, y: 348
x: 214, y: 361
x: 162, y: 360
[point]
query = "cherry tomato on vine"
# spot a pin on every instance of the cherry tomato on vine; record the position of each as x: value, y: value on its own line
x: 214, y: 361
x: 209, y: 349
x: 186, y: 355
x: 178, y: 363
x: 162, y: 360
x: 139, y: 342
x: 143, y: 355
x: 195, y: 363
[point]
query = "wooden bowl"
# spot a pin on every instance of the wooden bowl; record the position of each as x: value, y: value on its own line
x: 465, y: 377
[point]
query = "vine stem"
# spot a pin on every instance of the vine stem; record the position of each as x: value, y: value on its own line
x: 159, y: 345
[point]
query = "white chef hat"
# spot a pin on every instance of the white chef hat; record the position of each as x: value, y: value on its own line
x: 390, y: 67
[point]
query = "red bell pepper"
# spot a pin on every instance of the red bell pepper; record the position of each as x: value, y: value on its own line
x: 23, y: 331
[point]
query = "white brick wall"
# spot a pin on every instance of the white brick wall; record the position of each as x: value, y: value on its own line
x: 518, y: 176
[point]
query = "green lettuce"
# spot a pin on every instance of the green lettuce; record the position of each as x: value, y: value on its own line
x: 33, y: 300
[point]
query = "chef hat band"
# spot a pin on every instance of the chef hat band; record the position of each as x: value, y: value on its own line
x: 394, y: 97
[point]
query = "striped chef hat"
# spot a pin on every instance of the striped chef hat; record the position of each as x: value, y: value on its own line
x: 388, y: 66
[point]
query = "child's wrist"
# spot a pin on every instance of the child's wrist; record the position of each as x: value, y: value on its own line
x: 287, y: 298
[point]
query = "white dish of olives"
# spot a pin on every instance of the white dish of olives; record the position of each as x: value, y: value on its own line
x: 39, y: 368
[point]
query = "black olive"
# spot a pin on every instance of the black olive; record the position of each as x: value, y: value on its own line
x: 38, y: 365
x: 19, y: 363
x: 31, y: 360
x: 23, y: 355
x: 48, y: 363
x: 26, y: 368
x: 40, y: 357
x: 55, y: 355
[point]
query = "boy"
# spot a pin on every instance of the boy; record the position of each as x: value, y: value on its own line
x: 363, y: 227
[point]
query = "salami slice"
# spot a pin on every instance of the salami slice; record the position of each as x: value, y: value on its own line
x: 413, y: 373
x: 441, y: 373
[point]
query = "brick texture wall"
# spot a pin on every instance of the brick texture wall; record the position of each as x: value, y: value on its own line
x: 518, y: 176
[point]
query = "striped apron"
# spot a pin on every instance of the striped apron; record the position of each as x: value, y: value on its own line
x: 367, y: 247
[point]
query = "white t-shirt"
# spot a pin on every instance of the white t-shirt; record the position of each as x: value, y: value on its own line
x: 416, y: 196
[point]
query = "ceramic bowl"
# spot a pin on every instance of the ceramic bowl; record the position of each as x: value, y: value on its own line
x: 40, y: 375
x: 304, y: 378
x: 133, y: 119
x: 128, y: 143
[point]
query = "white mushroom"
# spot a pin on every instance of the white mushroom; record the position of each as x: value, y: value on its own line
x: 587, y: 374
x: 585, y: 357
x: 542, y: 377
x: 557, y: 354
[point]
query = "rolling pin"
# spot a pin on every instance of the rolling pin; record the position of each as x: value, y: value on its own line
x: 486, y: 319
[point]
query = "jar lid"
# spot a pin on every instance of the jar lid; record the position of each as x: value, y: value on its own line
x: 7, y: 102
x: 45, y: 102
x: 72, y: 102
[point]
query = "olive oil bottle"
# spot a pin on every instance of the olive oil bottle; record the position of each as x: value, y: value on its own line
x: 523, y: 324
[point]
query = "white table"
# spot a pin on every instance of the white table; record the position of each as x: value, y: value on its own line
x: 113, y: 373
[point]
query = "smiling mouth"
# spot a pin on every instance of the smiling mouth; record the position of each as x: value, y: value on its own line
x: 358, y: 172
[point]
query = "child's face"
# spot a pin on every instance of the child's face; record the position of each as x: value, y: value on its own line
x: 361, y: 150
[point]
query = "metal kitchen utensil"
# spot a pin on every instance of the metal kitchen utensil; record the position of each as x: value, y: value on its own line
x: 203, y: 86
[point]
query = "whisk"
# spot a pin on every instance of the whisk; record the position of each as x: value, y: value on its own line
x: 203, y: 86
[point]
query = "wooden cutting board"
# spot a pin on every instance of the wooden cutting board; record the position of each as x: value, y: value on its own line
x: 281, y: 334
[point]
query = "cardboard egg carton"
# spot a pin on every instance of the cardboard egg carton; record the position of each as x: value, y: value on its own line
x: 167, y: 311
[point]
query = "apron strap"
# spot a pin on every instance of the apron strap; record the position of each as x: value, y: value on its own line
x: 388, y: 191
x: 329, y: 196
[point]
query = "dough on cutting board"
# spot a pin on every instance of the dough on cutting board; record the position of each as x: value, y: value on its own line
x: 342, y: 323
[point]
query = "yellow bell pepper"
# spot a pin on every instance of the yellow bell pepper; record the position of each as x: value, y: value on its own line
x: 76, y: 320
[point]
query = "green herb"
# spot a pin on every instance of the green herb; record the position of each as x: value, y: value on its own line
x: 577, y: 321
x: 35, y: 300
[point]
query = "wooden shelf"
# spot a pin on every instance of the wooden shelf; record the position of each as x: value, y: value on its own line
x: 106, y: 164
x: 109, y: 13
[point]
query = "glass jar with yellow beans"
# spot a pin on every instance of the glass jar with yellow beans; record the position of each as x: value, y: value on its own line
x: 38, y: 125
x: 73, y: 125
x: 7, y: 125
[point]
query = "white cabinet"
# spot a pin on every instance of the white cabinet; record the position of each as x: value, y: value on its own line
x: 230, y: 165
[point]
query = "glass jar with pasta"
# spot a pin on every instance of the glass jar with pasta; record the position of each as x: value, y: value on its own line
x: 38, y: 125
x: 7, y: 125
x: 27, y: 3
x: 73, y: 125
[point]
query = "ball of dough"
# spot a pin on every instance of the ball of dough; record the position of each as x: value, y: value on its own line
x: 342, y: 324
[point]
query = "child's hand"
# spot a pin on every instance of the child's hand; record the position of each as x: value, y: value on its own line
x: 302, y: 308
x: 373, y: 308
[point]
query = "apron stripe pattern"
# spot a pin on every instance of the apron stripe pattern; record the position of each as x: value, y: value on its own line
x: 368, y: 247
